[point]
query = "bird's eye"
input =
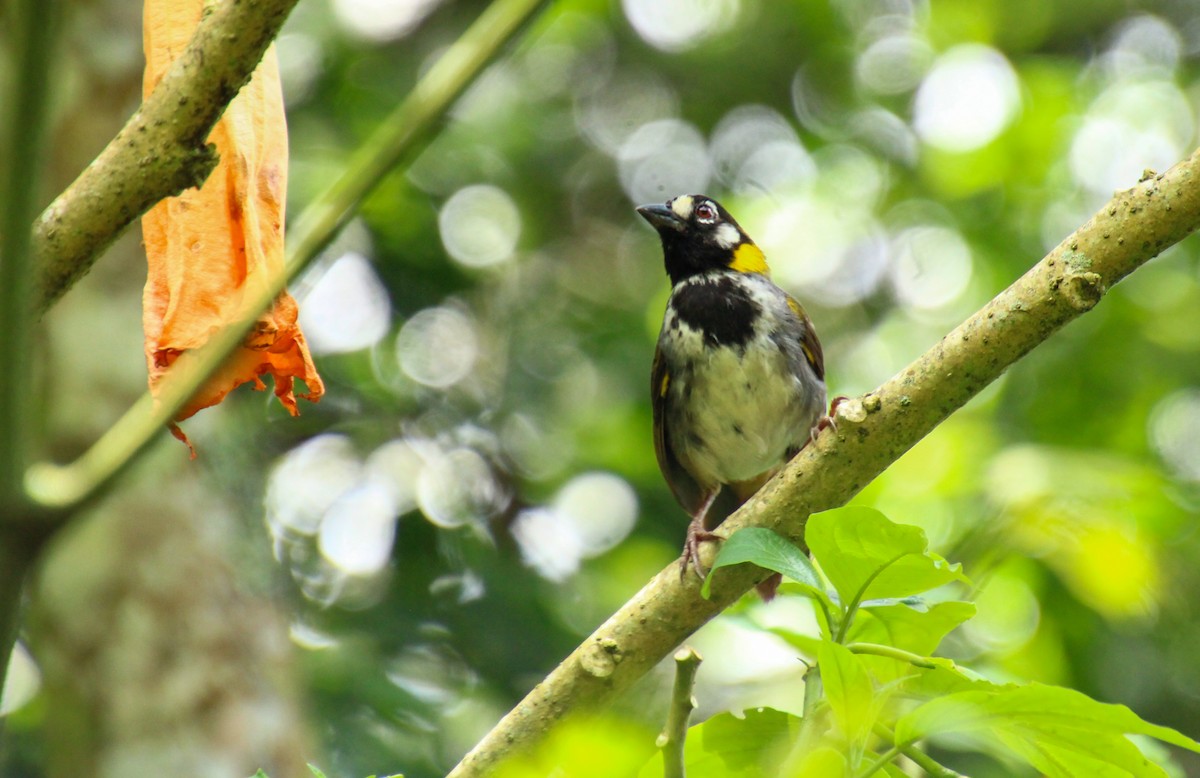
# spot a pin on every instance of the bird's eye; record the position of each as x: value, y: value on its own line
x: 706, y: 213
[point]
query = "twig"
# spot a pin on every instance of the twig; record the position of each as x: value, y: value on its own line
x: 33, y: 47
x: 923, y: 760
x: 878, y: 764
x: 396, y: 140
x: 674, y: 736
x: 873, y: 431
x: 161, y: 150
x: 891, y: 652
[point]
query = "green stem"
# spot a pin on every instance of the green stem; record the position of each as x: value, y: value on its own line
x: 812, y: 690
x: 852, y: 607
x: 919, y: 757
x: 33, y: 43
x: 878, y: 764
x: 397, y: 139
x: 35, y: 25
x: 674, y: 736
x: 893, y: 653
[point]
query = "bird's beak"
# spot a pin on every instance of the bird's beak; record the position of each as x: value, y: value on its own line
x: 661, y: 217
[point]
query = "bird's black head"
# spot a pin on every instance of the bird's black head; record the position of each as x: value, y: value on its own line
x: 698, y: 235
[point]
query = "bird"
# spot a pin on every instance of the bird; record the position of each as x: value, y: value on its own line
x: 738, y: 378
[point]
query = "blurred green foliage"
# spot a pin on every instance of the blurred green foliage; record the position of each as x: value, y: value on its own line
x: 478, y: 489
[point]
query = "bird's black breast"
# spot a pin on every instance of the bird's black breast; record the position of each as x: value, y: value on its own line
x: 721, y: 309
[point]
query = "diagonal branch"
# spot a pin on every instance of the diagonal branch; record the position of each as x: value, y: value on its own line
x: 161, y: 150
x: 873, y: 431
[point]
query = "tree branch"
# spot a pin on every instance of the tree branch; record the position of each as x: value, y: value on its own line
x: 873, y: 431
x: 161, y: 150
x: 674, y: 734
x: 34, y: 45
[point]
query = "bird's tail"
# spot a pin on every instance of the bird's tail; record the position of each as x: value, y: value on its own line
x: 735, y: 495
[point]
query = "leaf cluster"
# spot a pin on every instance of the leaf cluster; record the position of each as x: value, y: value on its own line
x: 874, y: 691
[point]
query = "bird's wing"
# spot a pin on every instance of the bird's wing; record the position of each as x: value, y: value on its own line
x: 809, y: 343
x: 683, y: 486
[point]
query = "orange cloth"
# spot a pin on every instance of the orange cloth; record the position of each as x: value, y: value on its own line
x: 211, y: 251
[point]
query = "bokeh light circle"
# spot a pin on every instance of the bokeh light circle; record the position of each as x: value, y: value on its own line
x: 456, y: 487
x: 662, y: 159
x: 438, y: 346
x: 1175, y: 432
x: 480, y: 225
x: 347, y: 309
x: 675, y: 25
x: 358, y: 529
x: 600, y: 508
x: 969, y: 96
x: 932, y: 266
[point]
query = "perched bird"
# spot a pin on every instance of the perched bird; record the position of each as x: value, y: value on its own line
x: 738, y: 383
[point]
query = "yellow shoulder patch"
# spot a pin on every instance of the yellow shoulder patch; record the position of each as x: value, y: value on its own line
x: 808, y: 354
x: 796, y: 307
x: 748, y: 258
x: 662, y: 387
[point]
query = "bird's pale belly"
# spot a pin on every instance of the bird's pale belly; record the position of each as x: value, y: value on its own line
x: 741, y: 411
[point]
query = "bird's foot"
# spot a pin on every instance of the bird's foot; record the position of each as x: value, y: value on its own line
x: 829, y: 420
x: 696, y: 534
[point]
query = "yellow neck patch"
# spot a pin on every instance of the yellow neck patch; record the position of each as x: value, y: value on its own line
x: 748, y: 258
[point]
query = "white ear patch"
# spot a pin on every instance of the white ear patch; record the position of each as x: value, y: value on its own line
x: 727, y: 236
x: 682, y: 206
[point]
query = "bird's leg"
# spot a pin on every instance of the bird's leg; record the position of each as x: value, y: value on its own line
x: 827, y: 421
x: 697, y: 533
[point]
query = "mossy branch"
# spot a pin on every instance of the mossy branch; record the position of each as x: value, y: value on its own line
x: 162, y: 149
x: 873, y: 432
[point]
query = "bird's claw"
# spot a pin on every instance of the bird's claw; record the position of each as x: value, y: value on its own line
x: 829, y: 420
x: 696, y: 534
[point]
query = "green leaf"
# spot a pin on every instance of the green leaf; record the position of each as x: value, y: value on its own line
x: 866, y: 556
x: 848, y: 689
x: 766, y: 549
x: 912, y: 625
x: 1061, y: 732
x: 316, y: 771
x: 260, y: 774
x: 823, y: 762
x: 805, y: 644
x: 748, y: 746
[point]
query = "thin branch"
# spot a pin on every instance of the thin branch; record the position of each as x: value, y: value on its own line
x: 878, y: 764
x: 161, y: 150
x: 873, y: 431
x: 33, y: 48
x: 674, y: 735
x: 923, y: 760
x: 813, y: 690
x: 397, y: 140
x: 891, y: 652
